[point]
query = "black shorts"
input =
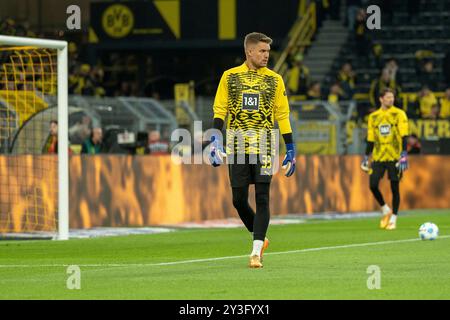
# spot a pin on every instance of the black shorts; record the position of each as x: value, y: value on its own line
x: 379, y: 168
x: 250, y: 172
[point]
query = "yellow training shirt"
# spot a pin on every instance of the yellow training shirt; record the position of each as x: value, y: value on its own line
x: 386, y: 129
x: 253, y: 100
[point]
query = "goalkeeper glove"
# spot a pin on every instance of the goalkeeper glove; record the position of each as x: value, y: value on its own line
x: 216, y: 153
x: 289, y: 160
x: 365, y: 164
x: 402, y: 164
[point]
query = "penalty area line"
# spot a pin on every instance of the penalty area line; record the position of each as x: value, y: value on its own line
x: 122, y: 265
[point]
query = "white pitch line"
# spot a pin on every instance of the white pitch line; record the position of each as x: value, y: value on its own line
x: 118, y: 265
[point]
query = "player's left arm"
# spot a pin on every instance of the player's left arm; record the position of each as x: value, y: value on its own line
x: 403, y: 131
x: 282, y: 117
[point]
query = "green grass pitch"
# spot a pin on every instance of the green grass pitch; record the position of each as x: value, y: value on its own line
x: 140, y: 267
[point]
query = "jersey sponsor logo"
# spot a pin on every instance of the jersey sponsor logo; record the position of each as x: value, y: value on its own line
x: 385, y: 129
x: 250, y: 101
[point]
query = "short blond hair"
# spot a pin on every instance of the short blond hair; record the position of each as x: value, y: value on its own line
x: 255, y: 38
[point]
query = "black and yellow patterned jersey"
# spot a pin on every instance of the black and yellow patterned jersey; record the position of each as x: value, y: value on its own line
x: 253, y: 100
x: 386, y: 129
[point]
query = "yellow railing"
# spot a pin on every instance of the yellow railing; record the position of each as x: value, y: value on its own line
x: 404, y: 97
x: 300, y: 37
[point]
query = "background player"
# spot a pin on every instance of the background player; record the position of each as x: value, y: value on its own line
x: 253, y: 97
x: 387, y: 133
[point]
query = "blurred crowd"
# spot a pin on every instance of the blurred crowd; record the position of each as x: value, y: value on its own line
x: 421, y: 104
x: 85, y: 137
x: 115, y: 74
x: 122, y: 74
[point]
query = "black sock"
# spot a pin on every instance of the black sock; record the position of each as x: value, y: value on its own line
x: 261, y: 223
x: 240, y: 202
x: 376, y: 192
x: 395, y: 187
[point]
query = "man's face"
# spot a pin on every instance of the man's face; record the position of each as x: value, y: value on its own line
x: 392, y: 64
x: 435, y: 110
x: 154, y: 136
x: 428, y: 67
x: 347, y: 68
x: 86, y: 120
x: 97, y: 134
x: 447, y: 93
x: 385, y: 75
x: 53, y: 129
x: 412, y: 140
x: 258, y: 54
x: 387, y: 100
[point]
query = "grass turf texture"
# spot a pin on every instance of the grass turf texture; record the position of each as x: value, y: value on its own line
x: 409, y: 270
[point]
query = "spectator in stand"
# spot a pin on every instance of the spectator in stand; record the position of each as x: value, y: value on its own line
x: 336, y: 93
x: 298, y: 76
x: 97, y: 77
x: 434, y: 112
x: 422, y: 56
x: 73, y: 57
x: 155, y: 145
x: 125, y: 89
x: 51, y: 145
x: 362, y: 38
x: 392, y: 67
x: 413, y: 146
x: 347, y: 80
x: 314, y: 92
x: 87, y: 81
x: 93, y: 145
x: 385, y: 80
x: 377, y: 51
x: 10, y: 27
x: 81, y: 130
x: 445, y: 105
x: 79, y: 82
x: 413, y: 107
x: 352, y: 10
x: 427, y: 101
x: 426, y: 77
x: 7, y: 27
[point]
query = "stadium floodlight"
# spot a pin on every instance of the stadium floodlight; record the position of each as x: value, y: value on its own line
x: 29, y: 73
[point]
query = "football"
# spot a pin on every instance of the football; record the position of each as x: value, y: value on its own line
x: 428, y: 231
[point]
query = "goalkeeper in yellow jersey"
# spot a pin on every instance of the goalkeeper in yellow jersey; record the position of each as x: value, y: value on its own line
x: 387, y: 134
x: 253, y: 97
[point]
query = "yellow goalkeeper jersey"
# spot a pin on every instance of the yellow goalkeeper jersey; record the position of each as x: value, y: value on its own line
x: 253, y: 100
x: 386, y: 129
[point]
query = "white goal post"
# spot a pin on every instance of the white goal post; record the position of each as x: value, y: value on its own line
x: 63, y: 145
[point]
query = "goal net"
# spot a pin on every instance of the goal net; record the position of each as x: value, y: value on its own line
x: 33, y: 138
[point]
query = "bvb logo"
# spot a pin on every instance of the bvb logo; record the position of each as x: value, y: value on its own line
x: 117, y: 21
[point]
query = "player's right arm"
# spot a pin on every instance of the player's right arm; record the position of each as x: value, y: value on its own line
x: 221, y: 103
x: 220, y: 109
x: 370, y: 144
